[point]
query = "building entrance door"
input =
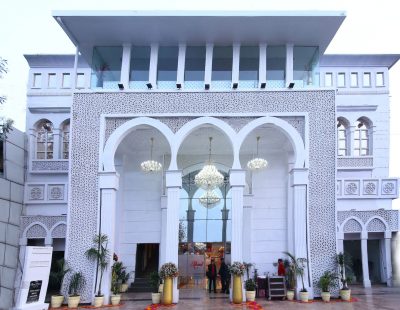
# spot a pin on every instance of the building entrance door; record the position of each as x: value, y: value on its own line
x: 204, y: 232
x: 147, y: 255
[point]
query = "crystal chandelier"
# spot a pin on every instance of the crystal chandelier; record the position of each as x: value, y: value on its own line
x: 257, y: 163
x: 209, y: 199
x: 209, y: 177
x: 151, y: 165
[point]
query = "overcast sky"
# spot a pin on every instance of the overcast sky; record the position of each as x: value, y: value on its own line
x: 27, y: 27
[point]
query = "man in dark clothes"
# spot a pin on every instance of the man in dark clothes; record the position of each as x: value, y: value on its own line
x: 212, y: 275
x: 224, y: 274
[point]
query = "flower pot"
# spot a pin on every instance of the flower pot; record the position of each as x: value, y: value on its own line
x: 155, y: 298
x: 56, y: 301
x: 124, y: 287
x: 290, y: 294
x: 237, y: 296
x: 304, y: 296
x: 250, y: 295
x: 115, y: 299
x: 167, y: 291
x: 326, y: 296
x: 345, y: 295
x: 98, y: 301
x: 73, y: 301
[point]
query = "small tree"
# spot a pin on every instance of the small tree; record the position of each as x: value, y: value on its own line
x: 343, y: 262
x: 155, y: 281
x: 57, y: 276
x: 298, y: 265
x: 5, y: 123
x: 326, y: 281
x: 99, y: 254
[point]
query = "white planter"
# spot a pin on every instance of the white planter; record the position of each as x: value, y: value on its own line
x: 250, y: 295
x: 56, y: 301
x: 290, y: 294
x: 345, y: 295
x: 73, y: 301
x: 326, y: 296
x: 115, y: 299
x: 155, y: 298
x: 304, y: 296
x: 124, y: 287
x: 98, y: 301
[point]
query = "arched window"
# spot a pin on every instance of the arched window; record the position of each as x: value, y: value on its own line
x: 342, y: 137
x: 361, y: 138
x: 44, y: 140
x: 65, y: 140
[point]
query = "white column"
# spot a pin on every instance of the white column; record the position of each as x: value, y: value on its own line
x: 153, y: 65
x: 163, y: 240
x: 299, y: 182
x: 262, y: 68
x: 340, y: 246
x: 173, y: 182
x: 388, y: 257
x: 108, y: 184
x: 364, y: 255
x: 57, y: 143
x: 209, y: 58
x: 247, y: 218
x: 237, y: 179
x: 350, y: 140
x: 289, y: 64
x: 396, y: 259
x: 235, y: 62
x: 180, y: 78
x: 125, y: 65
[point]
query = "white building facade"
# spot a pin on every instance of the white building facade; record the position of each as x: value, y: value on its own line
x: 322, y: 122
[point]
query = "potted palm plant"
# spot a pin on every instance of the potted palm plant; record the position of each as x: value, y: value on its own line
x: 250, y: 286
x: 343, y: 262
x: 326, y: 281
x: 298, y: 266
x: 290, y: 278
x: 57, y: 277
x: 76, y: 283
x: 155, y: 286
x: 100, y: 255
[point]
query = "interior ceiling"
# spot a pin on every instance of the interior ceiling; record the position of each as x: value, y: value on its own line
x: 272, y: 140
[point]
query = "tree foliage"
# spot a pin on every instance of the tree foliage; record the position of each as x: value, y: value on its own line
x: 5, y: 123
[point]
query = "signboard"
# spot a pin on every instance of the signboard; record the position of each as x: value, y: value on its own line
x: 34, y: 291
x: 35, y: 278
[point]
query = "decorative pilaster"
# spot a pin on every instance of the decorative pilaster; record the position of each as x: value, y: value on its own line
x: 364, y: 255
x: 237, y: 179
x: 388, y: 257
x: 173, y: 182
x: 350, y: 141
x: 108, y: 184
x: 299, y: 182
x: 57, y: 152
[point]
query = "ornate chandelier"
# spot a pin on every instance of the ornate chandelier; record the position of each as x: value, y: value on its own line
x: 257, y: 163
x: 209, y: 177
x: 151, y: 165
x: 209, y: 199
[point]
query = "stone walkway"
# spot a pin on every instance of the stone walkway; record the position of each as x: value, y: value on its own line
x: 379, y: 297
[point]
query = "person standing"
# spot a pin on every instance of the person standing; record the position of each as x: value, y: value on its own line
x: 212, y: 276
x: 281, y: 268
x: 224, y: 274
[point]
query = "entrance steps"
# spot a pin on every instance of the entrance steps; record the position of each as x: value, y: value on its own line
x: 140, y: 285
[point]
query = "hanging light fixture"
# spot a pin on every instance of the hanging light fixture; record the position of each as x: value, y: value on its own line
x: 257, y: 163
x: 209, y: 177
x: 209, y: 199
x: 151, y: 165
